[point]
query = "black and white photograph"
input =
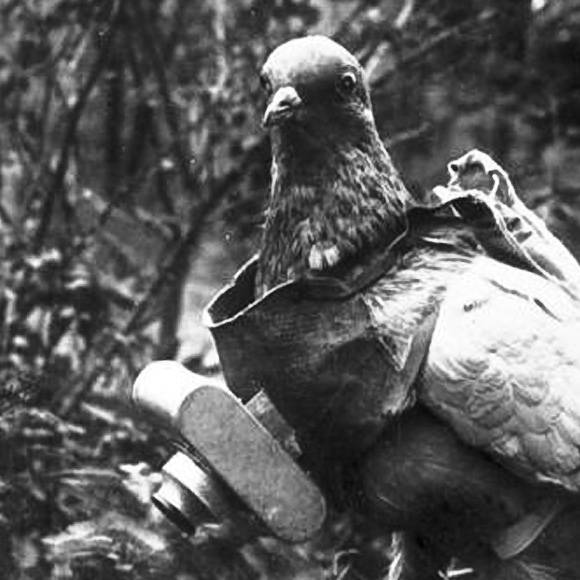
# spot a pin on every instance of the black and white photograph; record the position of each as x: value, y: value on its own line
x: 290, y: 290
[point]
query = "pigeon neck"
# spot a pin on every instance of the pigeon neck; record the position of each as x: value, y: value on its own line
x: 328, y: 204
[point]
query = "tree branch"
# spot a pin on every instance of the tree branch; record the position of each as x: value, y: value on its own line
x: 144, y: 27
x: 72, y: 124
x: 483, y: 20
x: 169, y: 269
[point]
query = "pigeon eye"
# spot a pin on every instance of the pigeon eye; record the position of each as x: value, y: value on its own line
x: 266, y: 84
x: 347, y: 82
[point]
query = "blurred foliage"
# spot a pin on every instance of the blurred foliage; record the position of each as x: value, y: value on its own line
x: 130, y: 143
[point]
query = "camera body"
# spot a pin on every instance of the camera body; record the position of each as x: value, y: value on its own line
x: 236, y: 462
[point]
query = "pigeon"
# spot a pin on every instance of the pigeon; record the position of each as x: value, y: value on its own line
x: 501, y: 364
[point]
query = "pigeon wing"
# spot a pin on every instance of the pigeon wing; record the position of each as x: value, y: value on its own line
x: 503, y: 370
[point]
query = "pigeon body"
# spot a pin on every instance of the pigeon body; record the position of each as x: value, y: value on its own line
x: 336, y: 194
x: 502, y: 371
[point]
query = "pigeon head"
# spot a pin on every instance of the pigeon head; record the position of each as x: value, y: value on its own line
x: 335, y: 193
x: 314, y: 85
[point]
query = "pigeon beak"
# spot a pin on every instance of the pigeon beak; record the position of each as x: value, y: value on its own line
x: 283, y: 105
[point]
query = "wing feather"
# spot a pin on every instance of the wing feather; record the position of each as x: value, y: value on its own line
x: 503, y: 369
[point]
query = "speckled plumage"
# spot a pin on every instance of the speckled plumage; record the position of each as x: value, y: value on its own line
x: 334, y: 189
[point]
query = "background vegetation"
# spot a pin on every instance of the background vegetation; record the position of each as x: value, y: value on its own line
x: 133, y: 172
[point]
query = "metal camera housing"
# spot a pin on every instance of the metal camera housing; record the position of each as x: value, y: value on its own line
x: 236, y: 460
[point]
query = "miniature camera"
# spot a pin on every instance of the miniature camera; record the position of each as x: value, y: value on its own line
x: 236, y: 462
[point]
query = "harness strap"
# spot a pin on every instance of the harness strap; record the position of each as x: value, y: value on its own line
x: 514, y: 539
